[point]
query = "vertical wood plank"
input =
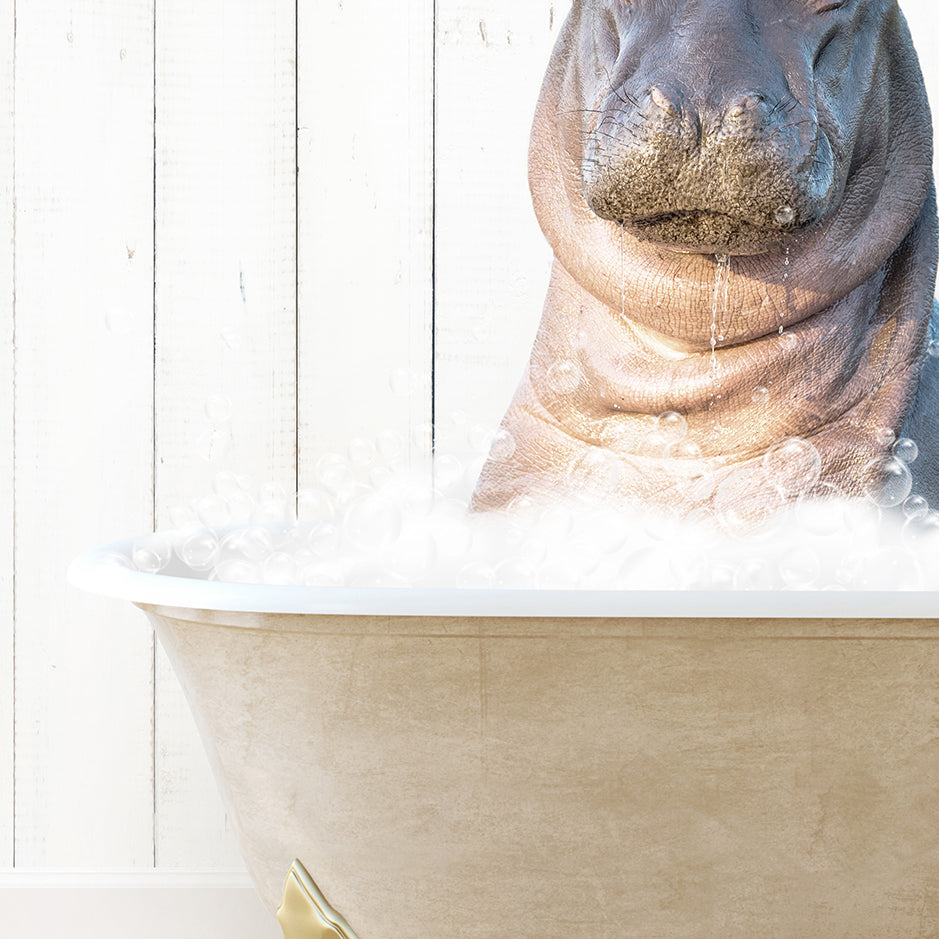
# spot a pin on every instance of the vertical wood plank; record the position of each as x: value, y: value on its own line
x: 492, y: 262
x: 83, y: 438
x: 226, y: 318
x: 365, y: 110
x: 6, y: 432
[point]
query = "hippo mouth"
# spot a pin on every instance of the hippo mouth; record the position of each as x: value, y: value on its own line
x: 704, y: 231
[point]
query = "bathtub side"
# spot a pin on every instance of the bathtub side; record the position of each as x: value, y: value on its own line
x: 523, y: 778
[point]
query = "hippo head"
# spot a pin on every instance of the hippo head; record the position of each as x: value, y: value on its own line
x: 739, y: 198
x: 717, y: 127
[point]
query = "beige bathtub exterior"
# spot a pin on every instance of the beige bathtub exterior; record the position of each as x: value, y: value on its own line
x: 445, y: 778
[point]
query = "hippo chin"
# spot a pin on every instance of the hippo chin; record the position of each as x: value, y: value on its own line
x: 740, y: 202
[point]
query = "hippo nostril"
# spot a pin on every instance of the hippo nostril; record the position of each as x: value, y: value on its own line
x: 744, y: 105
x: 663, y: 101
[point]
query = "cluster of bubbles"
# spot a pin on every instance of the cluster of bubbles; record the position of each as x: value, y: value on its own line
x: 368, y: 521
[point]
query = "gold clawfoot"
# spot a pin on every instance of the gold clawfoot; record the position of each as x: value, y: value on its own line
x: 304, y: 913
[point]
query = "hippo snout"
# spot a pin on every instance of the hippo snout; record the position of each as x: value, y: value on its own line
x: 736, y: 176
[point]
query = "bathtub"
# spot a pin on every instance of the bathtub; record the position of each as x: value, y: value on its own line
x: 418, y: 764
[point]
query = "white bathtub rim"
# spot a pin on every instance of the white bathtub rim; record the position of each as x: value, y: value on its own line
x: 95, y: 572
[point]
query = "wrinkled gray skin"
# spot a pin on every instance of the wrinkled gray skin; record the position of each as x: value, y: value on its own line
x: 792, y: 136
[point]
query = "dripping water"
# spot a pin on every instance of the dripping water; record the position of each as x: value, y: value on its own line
x: 718, y: 313
x: 782, y: 327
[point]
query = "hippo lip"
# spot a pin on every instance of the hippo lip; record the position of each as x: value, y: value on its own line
x: 707, y: 231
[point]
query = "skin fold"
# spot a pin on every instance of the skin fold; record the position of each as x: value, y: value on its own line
x: 739, y: 198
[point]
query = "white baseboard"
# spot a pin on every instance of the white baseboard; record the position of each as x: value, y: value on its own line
x: 142, y: 904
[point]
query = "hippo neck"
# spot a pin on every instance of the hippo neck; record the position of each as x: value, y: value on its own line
x: 850, y: 368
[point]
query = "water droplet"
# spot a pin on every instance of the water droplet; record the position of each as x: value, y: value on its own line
x: 905, y: 449
x: 672, y: 426
x: 887, y: 481
x: 884, y: 437
x: 932, y: 349
x: 686, y: 450
x: 563, y: 377
x: 760, y: 394
x: 785, y: 215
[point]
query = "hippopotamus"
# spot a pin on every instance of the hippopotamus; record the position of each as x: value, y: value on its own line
x: 739, y: 198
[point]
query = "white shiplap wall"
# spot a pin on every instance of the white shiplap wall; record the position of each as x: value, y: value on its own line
x: 186, y: 303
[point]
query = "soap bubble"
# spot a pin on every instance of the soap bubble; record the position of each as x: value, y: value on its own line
x: 756, y: 574
x: 361, y: 452
x: 793, y: 465
x: 502, y: 447
x: 915, y: 507
x: 905, y: 449
x: 324, y: 539
x: 821, y: 509
x: 596, y: 468
x: 448, y: 472
x: 888, y: 481
x: 331, y: 470
x: 314, y: 505
x: 183, y: 517
x: 413, y: 554
x: 515, y: 574
x: 213, y: 511
x: 253, y: 543
x: 476, y: 575
x: 563, y: 377
x: 152, y: 553
x: 236, y: 571
x: 390, y: 446
x: 372, y: 522
x: 279, y: 568
x: 198, y: 549
x: 228, y: 484
x: 321, y: 575
x: 800, y: 568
